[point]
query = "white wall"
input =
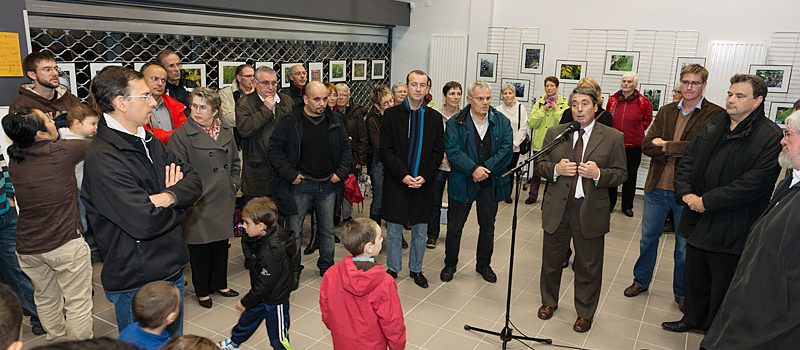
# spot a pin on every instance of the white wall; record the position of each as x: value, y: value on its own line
x: 731, y: 20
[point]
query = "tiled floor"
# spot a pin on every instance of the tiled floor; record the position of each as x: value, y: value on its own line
x: 435, y: 317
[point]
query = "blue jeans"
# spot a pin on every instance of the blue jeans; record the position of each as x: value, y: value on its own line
x: 394, y: 246
x: 657, y: 205
x: 322, y: 196
x: 9, y: 265
x: 123, y: 307
x: 376, y: 173
x: 436, y: 209
x: 276, y: 320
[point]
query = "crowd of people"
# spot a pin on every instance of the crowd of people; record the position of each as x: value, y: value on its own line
x: 148, y: 175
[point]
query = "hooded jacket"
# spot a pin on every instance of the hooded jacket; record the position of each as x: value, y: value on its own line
x: 271, y: 271
x: 361, y: 308
x: 55, y: 109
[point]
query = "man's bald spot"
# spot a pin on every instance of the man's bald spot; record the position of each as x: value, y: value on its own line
x: 315, y: 87
x: 149, y: 69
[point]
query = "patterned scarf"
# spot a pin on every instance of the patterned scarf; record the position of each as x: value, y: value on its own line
x: 416, y: 121
x: 213, y: 130
x: 548, y: 99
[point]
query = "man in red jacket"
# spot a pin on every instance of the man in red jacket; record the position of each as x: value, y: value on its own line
x: 168, y: 113
x: 632, y: 115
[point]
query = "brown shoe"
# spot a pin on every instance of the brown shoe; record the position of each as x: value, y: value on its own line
x: 546, y: 312
x: 582, y: 325
x: 634, y: 290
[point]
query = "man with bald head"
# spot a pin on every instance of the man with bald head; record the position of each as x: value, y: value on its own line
x: 310, y: 153
x: 298, y: 78
x: 168, y: 113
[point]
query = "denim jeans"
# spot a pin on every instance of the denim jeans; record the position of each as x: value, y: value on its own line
x: 436, y: 209
x: 376, y: 173
x: 322, y: 196
x: 123, y: 307
x: 657, y: 205
x: 9, y: 266
x: 394, y: 246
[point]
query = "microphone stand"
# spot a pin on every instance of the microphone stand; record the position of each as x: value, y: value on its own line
x: 506, y: 334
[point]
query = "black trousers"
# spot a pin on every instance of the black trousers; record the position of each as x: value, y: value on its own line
x: 633, y: 157
x: 209, y: 264
x: 708, y: 276
x: 457, y: 214
x: 588, y: 264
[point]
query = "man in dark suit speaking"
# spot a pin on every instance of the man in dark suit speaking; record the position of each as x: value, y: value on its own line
x: 576, y: 205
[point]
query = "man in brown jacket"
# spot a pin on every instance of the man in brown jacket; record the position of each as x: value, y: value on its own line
x: 579, y: 173
x: 674, y: 127
x: 46, y: 92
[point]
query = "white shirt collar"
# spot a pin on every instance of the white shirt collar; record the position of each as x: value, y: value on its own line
x: 114, y: 124
x: 795, y: 177
x: 588, y: 129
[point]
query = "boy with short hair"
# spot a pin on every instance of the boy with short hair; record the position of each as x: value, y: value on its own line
x: 155, y: 306
x: 357, y: 293
x: 272, y: 255
x: 10, y: 320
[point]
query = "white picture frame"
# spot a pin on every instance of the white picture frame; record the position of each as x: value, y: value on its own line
x: 189, y: 70
x: 286, y: 69
x: 269, y: 64
x: 137, y: 66
x: 522, y: 88
x: 685, y: 61
x: 227, y: 72
x: 655, y: 93
x: 378, y: 69
x: 337, y: 71
x: 531, y: 58
x: 621, y: 62
x: 778, y: 111
x: 359, y: 70
x: 315, y: 71
x: 487, y: 67
x: 570, y: 71
x: 777, y: 77
x: 96, y: 67
x: 66, y: 76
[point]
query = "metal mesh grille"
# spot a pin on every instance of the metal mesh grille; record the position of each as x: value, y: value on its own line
x: 84, y: 46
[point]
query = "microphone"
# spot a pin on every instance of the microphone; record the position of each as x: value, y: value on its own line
x: 572, y: 127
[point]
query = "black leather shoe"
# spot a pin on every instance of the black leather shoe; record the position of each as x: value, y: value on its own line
x: 447, y: 273
x: 487, y: 274
x: 392, y: 273
x: 405, y: 243
x: 205, y: 303
x: 634, y: 290
x: 419, y: 279
x: 38, y: 330
x: 229, y: 294
x: 530, y: 201
x: 430, y: 243
x: 681, y: 327
x: 628, y: 213
x: 336, y: 238
x: 508, y: 200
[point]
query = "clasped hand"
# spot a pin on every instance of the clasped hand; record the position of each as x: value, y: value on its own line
x: 413, y: 182
x: 589, y: 169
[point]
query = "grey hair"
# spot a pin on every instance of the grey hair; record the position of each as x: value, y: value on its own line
x: 508, y: 86
x: 793, y: 120
x: 265, y: 69
x: 478, y: 84
x: 584, y: 91
x: 634, y: 76
x: 342, y: 87
x: 397, y: 85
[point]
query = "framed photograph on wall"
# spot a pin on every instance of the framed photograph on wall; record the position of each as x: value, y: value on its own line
x: 378, y: 69
x: 315, y: 71
x: 776, y: 76
x: 359, y: 70
x: 96, y: 67
x: 621, y: 62
x: 569, y: 71
x: 286, y: 69
x: 531, y: 58
x: 338, y: 71
x: 487, y: 67
x: 604, y: 99
x: 227, y: 72
x: 778, y: 111
x: 66, y: 77
x: 265, y: 64
x: 655, y: 93
x: 137, y: 66
x: 685, y: 61
x: 195, y: 72
x: 521, y: 87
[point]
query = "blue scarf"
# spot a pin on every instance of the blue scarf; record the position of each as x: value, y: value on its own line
x: 416, y: 121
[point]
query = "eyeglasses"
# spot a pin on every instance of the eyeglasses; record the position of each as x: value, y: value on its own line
x: 268, y: 82
x: 788, y: 133
x: 691, y: 83
x: 199, y: 108
x: 145, y: 96
x: 49, y: 69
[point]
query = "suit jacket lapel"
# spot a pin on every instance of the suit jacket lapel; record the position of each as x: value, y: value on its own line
x: 595, y: 138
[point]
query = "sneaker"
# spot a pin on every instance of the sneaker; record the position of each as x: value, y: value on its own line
x: 430, y: 243
x: 227, y: 344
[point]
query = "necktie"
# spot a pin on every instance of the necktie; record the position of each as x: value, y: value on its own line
x: 577, y: 157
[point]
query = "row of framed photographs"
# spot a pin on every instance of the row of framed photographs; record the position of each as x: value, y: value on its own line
x: 618, y: 62
x: 227, y: 71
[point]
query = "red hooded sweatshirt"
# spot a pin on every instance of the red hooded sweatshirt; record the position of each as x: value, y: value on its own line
x: 361, y: 308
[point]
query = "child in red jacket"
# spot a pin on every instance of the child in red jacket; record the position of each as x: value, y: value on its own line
x: 358, y: 299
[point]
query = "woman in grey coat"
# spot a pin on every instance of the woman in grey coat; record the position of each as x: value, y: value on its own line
x: 208, y: 146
